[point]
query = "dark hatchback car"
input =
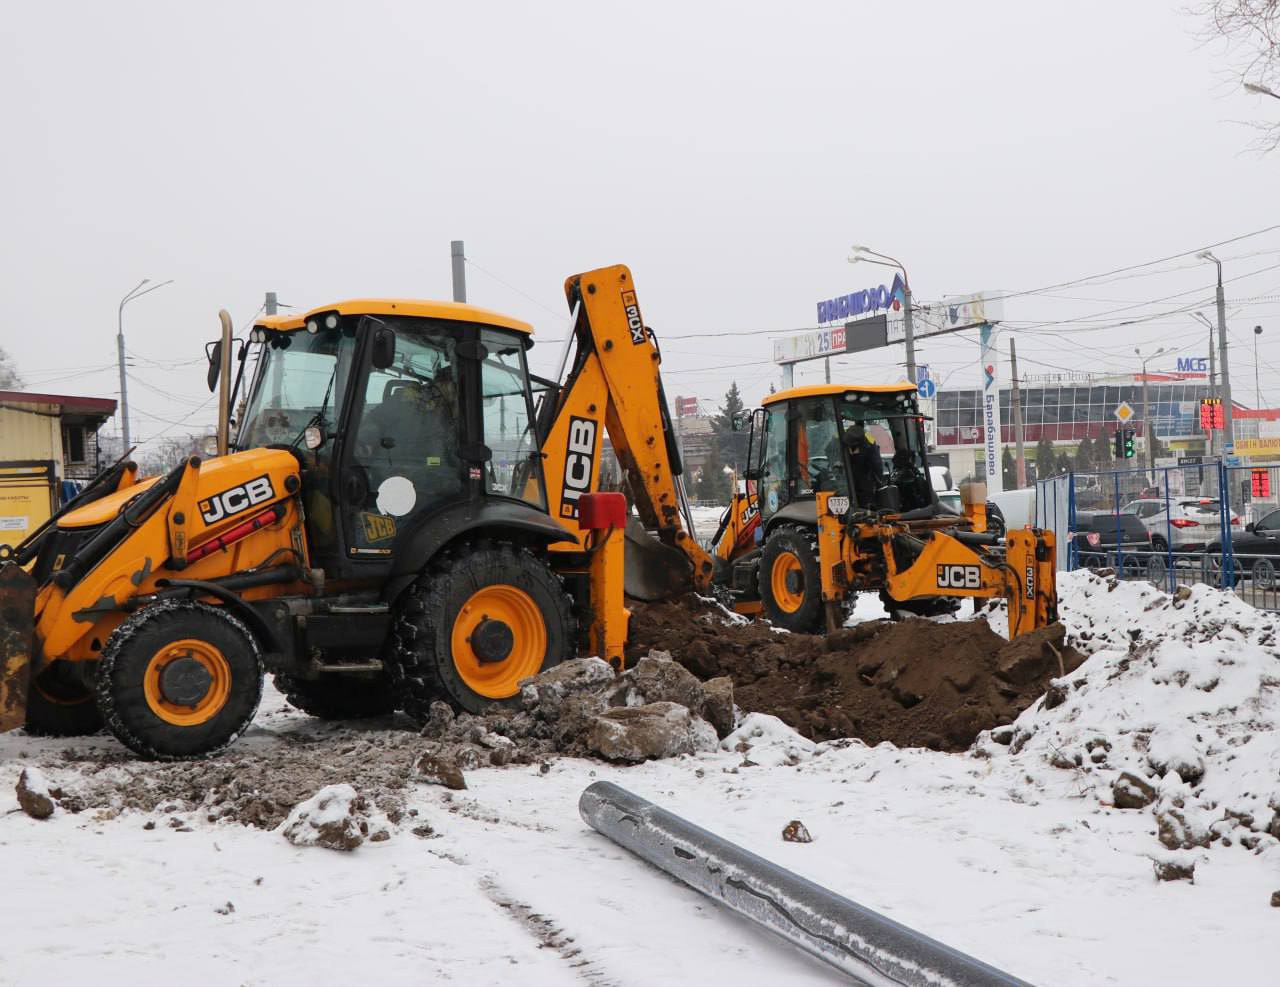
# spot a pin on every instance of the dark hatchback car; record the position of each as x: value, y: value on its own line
x: 1257, y: 551
x: 1098, y: 534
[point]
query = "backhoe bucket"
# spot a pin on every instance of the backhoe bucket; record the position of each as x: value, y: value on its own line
x: 17, y: 634
x: 653, y: 570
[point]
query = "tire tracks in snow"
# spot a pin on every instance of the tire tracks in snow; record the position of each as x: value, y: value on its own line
x: 547, y: 933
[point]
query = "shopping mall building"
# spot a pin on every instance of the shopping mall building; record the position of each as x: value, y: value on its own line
x: 1067, y: 407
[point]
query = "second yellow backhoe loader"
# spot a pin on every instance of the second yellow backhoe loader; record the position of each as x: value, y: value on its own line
x: 837, y: 498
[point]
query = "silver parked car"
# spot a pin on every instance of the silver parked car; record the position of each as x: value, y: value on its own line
x: 1185, y: 524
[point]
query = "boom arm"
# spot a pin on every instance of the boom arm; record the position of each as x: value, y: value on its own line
x: 615, y: 384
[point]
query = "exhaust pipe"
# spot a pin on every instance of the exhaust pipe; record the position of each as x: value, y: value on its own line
x: 872, y: 949
x: 17, y: 634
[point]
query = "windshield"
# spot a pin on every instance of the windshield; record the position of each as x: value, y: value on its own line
x: 892, y: 422
x: 886, y: 430
x: 298, y: 374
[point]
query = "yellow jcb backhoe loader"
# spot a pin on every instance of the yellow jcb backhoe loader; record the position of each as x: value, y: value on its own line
x: 376, y: 536
x: 838, y: 485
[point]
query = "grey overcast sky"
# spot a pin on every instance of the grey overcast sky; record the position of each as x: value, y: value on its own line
x: 729, y: 152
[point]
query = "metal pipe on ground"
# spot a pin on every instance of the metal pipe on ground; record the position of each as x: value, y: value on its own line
x: 873, y: 950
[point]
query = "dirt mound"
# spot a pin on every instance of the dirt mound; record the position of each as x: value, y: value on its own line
x: 918, y: 683
x: 246, y: 785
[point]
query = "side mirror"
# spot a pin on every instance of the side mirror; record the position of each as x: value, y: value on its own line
x: 214, y: 352
x: 1250, y: 527
x: 384, y: 348
x: 740, y: 421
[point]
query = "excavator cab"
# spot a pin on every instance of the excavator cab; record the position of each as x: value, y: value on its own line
x: 863, y: 443
x: 396, y: 415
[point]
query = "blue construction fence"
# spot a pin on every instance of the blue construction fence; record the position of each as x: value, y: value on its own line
x: 1210, y: 521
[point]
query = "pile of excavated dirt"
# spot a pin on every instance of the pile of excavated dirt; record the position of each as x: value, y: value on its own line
x: 917, y: 683
x: 655, y: 709
x: 246, y: 785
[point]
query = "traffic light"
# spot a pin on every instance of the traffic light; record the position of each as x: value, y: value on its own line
x: 1117, y: 446
x: 1129, y: 450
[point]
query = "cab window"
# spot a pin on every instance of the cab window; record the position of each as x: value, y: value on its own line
x: 515, y: 469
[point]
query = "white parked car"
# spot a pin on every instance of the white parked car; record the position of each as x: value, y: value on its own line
x: 1185, y: 524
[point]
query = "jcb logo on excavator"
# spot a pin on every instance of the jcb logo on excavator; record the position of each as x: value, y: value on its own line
x: 959, y: 577
x: 634, y: 322
x: 236, y: 500
x: 579, y: 459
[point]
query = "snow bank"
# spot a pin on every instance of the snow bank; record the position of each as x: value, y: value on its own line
x: 1179, y: 694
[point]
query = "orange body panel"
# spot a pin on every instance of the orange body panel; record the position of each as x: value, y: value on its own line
x: 212, y: 499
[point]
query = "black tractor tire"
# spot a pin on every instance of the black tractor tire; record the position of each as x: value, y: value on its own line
x: 924, y: 606
x: 421, y: 662
x: 789, y: 561
x: 1158, y: 544
x: 339, y: 697
x: 151, y: 722
x: 57, y: 707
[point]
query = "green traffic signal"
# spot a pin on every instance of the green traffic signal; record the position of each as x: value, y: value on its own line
x: 1129, y: 450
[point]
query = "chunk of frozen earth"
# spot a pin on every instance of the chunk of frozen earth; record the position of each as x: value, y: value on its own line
x: 33, y: 794
x: 638, y: 733
x: 334, y: 817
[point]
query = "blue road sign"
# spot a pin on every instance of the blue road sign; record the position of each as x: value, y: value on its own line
x: 927, y: 388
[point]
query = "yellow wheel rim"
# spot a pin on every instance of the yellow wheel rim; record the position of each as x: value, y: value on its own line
x: 206, y: 708
x: 515, y: 608
x: 785, y: 564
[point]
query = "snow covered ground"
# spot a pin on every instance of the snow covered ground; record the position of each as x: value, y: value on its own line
x: 998, y: 852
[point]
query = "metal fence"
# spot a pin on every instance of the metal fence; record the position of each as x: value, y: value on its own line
x: 1195, y: 522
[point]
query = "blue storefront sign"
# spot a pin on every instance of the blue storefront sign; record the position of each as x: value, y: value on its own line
x: 862, y: 302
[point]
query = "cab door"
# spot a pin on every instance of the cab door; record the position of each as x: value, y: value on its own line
x: 401, y: 454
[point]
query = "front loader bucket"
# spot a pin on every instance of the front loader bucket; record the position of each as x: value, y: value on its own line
x: 17, y: 634
x: 653, y: 570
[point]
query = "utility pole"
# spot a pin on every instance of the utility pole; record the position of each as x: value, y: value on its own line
x: 908, y: 330
x: 827, y: 365
x: 1228, y: 431
x: 459, y: 271
x: 1148, y: 426
x: 1257, y: 379
x: 1016, y: 402
x: 1213, y: 390
x: 1213, y: 383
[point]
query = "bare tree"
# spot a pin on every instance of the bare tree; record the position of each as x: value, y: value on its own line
x: 1251, y: 32
x: 9, y: 377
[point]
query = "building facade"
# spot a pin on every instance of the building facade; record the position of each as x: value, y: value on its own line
x: 1066, y: 408
x: 46, y: 441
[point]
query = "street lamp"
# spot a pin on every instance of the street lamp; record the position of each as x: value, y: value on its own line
x: 137, y: 292
x: 1228, y: 433
x: 1148, y: 429
x: 868, y: 256
x: 1260, y: 90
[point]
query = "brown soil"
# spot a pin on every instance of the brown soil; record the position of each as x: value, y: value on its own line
x: 918, y: 683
